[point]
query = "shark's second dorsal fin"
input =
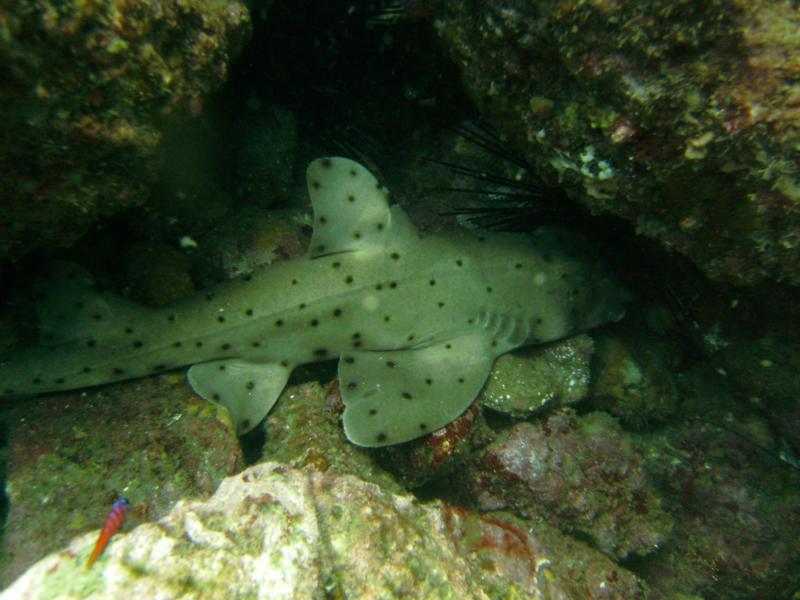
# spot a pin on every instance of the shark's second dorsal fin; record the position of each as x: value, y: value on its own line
x: 70, y: 309
x: 351, y: 209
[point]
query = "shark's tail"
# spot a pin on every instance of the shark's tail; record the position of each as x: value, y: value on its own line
x: 77, y: 327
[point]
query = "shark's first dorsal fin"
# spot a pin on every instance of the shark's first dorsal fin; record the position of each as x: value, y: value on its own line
x: 351, y: 209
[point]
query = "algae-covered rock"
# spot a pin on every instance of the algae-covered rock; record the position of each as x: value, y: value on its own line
x: 735, y: 503
x: 533, y: 378
x: 581, y: 474
x: 633, y: 377
x: 679, y: 116
x: 445, y: 450
x: 87, y: 89
x: 250, y: 239
x: 71, y: 456
x: 304, y: 429
x: 766, y: 370
x: 520, y: 384
x: 275, y: 532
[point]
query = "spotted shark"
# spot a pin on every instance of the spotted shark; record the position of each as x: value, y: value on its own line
x: 415, y: 321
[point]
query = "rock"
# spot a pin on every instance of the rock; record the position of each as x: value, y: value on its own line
x: 580, y: 474
x: 71, y: 456
x: 88, y: 89
x: 250, y: 239
x: 680, y: 117
x: 766, y: 370
x: 304, y: 429
x: 277, y: 532
x: 633, y: 377
x: 157, y: 274
x: 445, y: 450
x: 266, y: 156
x: 521, y: 383
x: 735, y: 506
x: 533, y: 378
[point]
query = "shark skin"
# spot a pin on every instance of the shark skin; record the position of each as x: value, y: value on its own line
x: 416, y: 322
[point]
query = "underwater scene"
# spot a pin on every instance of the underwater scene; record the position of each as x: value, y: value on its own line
x: 400, y: 299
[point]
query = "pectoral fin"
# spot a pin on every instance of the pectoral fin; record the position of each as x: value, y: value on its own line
x: 247, y: 390
x: 394, y: 397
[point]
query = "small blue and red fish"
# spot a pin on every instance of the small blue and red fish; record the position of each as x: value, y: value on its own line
x: 112, y: 524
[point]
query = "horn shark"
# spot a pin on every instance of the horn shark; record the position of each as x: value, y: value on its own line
x: 416, y: 322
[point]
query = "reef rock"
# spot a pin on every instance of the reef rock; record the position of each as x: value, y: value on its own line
x: 88, y: 88
x: 681, y: 117
x: 266, y: 156
x: 275, y: 532
x: 633, y: 377
x: 735, y: 508
x: 581, y: 474
x: 531, y: 379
